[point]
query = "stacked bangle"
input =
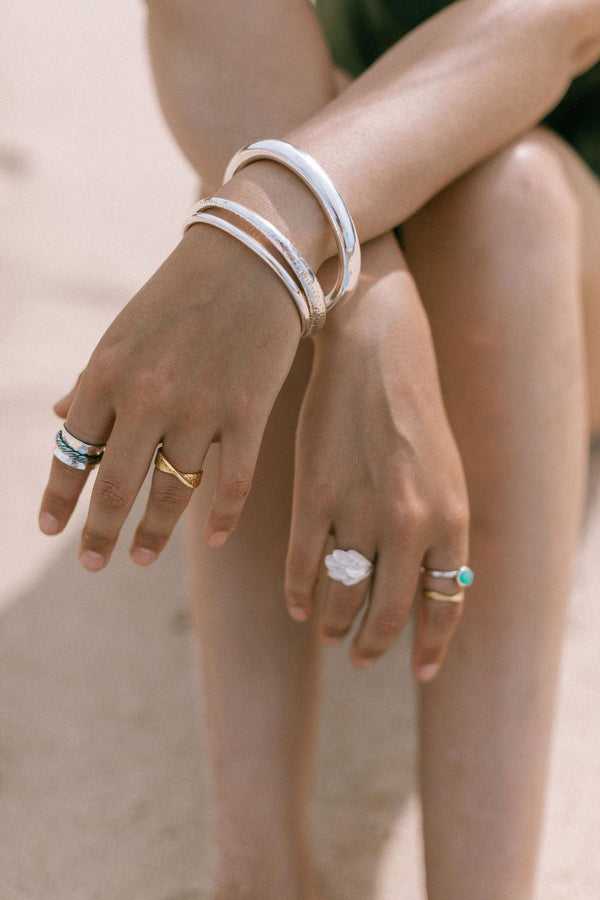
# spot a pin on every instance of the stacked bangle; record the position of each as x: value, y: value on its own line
x: 336, y: 211
x: 312, y: 307
x: 306, y: 293
x: 247, y: 239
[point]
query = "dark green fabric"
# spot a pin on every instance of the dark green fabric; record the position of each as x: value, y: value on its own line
x: 359, y: 31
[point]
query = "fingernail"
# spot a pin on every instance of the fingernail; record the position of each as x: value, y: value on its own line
x: 331, y: 639
x: 92, y: 560
x: 48, y: 524
x: 218, y: 538
x: 142, y: 556
x: 426, y: 673
x: 363, y: 663
x: 298, y: 613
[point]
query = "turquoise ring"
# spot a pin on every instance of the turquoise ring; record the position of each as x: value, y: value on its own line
x: 463, y: 576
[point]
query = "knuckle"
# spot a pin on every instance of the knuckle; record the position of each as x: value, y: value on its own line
x: 444, y: 614
x: 389, y: 621
x: 150, y: 393
x: 408, y: 517
x: 100, y: 372
x: 171, y: 497
x: 150, y: 540
x: 456, y: 519
x: 362, y: 515
x: 300, y: 569
x: 57, y: 503
x: 111, y: 492
x: 323, y: 494
x: 243, y: 407
x: 235, y: 488
x: 93, y: 540
x: 346, y: 601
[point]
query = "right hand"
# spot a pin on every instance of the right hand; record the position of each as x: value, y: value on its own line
x: 377, y: 466
x: 198, y: 355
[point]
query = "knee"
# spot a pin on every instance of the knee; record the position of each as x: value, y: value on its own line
x: 524, y: 184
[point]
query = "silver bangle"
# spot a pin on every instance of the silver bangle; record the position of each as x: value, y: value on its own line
x: 315, y: 177
x: 308, y: 281
x: 250, y: 242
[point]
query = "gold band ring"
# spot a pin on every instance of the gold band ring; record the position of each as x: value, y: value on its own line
x: 437, y: 595
x: 190, y: 479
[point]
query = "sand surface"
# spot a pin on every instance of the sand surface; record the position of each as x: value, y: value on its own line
x: 103, y: 782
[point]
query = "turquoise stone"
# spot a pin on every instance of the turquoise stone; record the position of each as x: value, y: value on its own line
x: 465, y: 576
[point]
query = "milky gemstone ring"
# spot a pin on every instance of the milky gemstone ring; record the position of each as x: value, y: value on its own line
x: 463, y: 576
x: 348, y: 566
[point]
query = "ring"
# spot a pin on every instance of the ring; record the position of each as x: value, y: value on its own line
x: 190, y: 479
x: 348, y: 566
x: 77, y: 455
x: 463, y: 576
x: 437, y: 595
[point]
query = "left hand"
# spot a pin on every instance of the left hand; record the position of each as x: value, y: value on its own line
x: 377, y: 464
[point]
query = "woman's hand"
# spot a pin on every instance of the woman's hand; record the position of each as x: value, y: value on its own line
x: 376, y: 463
x: 198, y: 355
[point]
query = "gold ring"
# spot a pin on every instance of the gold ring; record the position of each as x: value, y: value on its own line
x: 190, y: 479
x: 437, y: 595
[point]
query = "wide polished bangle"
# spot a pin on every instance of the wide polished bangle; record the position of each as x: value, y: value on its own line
x: 296, y: 293
x: 336, y: 211
x: 308, y: 281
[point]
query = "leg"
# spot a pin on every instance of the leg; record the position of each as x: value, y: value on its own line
x: 497, y: 257
x: 260, y: 676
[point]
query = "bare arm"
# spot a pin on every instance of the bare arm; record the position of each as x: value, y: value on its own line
x: 446, y: 96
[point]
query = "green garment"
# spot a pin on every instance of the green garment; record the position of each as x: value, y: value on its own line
x: 359, y: 31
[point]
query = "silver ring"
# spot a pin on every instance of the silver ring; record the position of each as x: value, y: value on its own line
x: 75, y: 453
x: 348, y: 566
x: 463, y: 576
x: 329, y: 198
x: 311, y: 288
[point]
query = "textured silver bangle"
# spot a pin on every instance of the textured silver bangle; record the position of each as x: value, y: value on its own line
x: 308, y: 281
x: 295, y: 292
x: 315, y: 178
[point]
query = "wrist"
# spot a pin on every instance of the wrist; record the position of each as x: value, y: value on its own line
x: 276, y: 193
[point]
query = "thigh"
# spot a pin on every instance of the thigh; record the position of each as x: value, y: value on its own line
x: 585, y: 185
x: 497, y: 257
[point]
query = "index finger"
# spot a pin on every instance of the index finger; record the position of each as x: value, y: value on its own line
x: 66, y: 482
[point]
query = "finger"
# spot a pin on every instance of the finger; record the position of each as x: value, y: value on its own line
x: 168, y: 497
x: 400, y: 550
x: 238, y: 452
x: 62, y: 406
x: 309, y: 531
x: 120, y: 476
x: 65, y: 482
x: 438, y: 619
x: 343, y: 602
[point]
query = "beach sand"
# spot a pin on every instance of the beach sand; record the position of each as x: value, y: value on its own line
x: 104, y: 786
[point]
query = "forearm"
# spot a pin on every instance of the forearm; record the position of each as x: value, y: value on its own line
x: 445, y: 97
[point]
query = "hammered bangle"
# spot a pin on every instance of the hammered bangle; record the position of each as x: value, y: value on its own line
x: 336, y: 211
x: 295, y: 292
x: 309, y: 284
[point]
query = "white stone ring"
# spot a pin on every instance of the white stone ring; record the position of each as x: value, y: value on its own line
x: 348, y: 566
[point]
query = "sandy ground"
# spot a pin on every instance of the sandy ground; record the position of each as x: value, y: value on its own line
x: 104, y: 787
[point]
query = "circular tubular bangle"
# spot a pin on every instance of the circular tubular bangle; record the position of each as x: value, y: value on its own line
x: 308, y: 281
x: 295, y: 292
x: 315, y: 178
